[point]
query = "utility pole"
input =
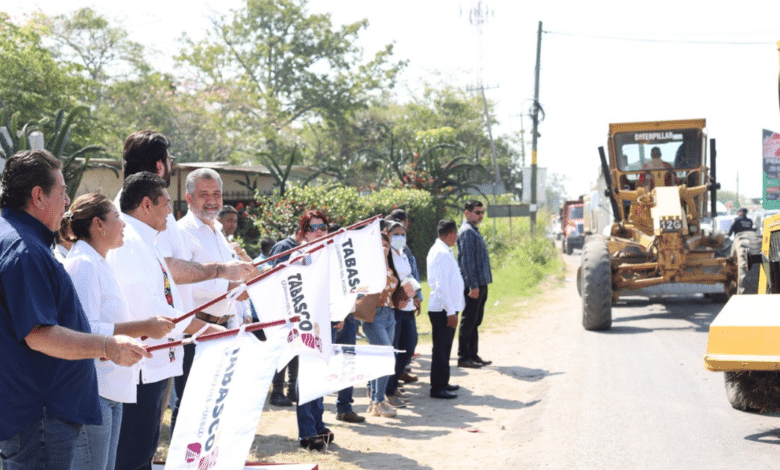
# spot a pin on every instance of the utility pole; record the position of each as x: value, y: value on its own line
x: 497, y: 175
x: 536, y: 126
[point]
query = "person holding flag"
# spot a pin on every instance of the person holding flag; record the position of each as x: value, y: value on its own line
x: 93, y: 227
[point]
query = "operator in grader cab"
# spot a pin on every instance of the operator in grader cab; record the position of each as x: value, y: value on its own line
x: 656, y: 163
x: 741, y: 223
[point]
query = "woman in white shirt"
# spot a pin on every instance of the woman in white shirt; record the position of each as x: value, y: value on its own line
x: 93, y: 224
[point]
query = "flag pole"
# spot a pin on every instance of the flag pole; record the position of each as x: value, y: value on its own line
x: 325, y: 237
x: 223, y: 334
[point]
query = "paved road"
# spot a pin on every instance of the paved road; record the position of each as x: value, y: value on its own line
x: 637, y: 396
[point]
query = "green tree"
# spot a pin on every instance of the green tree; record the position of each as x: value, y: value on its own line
x: 59, y: 129
x: 87, y: 38
x: 32, y: 82
x: 272, y: 64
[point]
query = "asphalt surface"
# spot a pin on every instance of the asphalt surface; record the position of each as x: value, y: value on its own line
x: 636, y: 396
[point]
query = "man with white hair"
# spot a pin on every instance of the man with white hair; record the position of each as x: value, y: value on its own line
x: 204, y: 198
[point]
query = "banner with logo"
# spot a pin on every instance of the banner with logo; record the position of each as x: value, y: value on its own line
x: 356, y: 261
x: 771, y: 160
x: 349, y: 366
x: 303, y: 290
x: 222, y: 403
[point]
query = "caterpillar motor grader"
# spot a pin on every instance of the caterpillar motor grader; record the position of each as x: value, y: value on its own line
x: 659, y: 184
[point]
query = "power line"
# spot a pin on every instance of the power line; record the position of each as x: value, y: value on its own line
x: 668, y: 41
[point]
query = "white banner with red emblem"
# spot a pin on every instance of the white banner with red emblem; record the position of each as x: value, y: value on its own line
x: 349, y: 366
x: 298, y: 290
x: 356, y: 261
x: 222, y: 403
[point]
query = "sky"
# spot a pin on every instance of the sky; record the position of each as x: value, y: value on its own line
x: 602, y: 62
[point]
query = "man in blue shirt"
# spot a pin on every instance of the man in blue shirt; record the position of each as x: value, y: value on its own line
x: 47, y: 376
x: 474, y: 265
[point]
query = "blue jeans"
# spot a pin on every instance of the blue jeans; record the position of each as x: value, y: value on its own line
x: 310, y: 419
x: 46, y: 443
x: 405, y: 339
x: 347, y: 335
x: 381, y: 333
x: 97, y: 446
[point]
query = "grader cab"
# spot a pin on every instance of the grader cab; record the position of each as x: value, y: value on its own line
x: 659, y: 185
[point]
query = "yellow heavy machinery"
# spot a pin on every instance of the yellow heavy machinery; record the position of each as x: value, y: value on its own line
x: 658, y: 184
x: 744, y: 339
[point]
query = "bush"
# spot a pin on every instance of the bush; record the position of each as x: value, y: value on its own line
x: 275, y: 217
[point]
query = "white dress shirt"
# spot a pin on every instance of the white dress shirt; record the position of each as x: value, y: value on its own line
x: 105, y: 304
x: 404, y: 270
x: 216, y: 249
x: 444, y: 280
x: 138, y: 267
x: 171, y: 243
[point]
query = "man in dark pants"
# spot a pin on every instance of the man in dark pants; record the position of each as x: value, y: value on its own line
x: 445, y: 301
x: 474, y: 265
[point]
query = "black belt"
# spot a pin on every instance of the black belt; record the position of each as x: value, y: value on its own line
x: 211, y: 318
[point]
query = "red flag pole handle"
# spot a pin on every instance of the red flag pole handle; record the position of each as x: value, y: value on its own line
x: 223, y: 334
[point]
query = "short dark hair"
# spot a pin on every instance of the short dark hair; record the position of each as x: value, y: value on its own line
x: 23, y: 172
x: 266, y: 244
x: 445, y: 227
x: 471, y: 204
x: 392, y: 225
x: 227, y: 209
x: 137, y: 187
x: 398, y: 215
x: 143, y: 149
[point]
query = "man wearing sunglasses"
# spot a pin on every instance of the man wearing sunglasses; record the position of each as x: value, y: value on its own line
x: 474, y: 265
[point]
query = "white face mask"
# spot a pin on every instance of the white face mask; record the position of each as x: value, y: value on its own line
x: 398, y: 242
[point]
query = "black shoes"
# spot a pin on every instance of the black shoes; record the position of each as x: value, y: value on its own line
x: 278, y: 399
x: 442, y: 394
x: 481, y: 361
x: 469, y: 364
x: 452, y: 388
x: 313, y: 443
x: 350, y: 417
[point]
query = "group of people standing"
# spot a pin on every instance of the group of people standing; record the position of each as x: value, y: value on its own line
x: 76, y: 391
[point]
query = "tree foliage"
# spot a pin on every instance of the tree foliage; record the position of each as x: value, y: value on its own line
x: 272, y: 64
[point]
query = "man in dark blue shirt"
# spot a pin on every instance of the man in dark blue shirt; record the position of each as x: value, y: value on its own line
x: 47, y: 376
x: 474, y: 265
x: 741, y: 223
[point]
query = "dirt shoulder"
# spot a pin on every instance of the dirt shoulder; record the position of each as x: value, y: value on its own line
x: 497, y: 407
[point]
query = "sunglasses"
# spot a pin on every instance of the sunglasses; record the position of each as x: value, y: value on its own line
x: 317, y: 227
x: 479, y: 212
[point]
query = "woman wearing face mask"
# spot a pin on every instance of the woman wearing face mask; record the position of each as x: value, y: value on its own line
x: 405, y: 326
x: 381, y: 331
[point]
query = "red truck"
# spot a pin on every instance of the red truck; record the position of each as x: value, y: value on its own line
x: 572, y: 224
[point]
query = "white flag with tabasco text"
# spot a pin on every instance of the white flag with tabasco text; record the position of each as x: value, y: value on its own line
x: 356, y: 267
x: 300, y: 289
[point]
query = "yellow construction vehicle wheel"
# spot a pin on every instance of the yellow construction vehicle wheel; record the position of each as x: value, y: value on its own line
x: 596, y: 287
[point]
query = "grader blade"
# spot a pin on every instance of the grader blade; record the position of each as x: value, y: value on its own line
x: 745, y: 335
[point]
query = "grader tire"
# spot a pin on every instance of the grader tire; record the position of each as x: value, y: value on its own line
x: 596, y: 285
x: 746, y: 243
x: 569, y: 248
x: 736, y: 394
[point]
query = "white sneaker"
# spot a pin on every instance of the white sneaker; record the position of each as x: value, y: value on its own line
x: 371, y: 407
x: 384, y: 409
